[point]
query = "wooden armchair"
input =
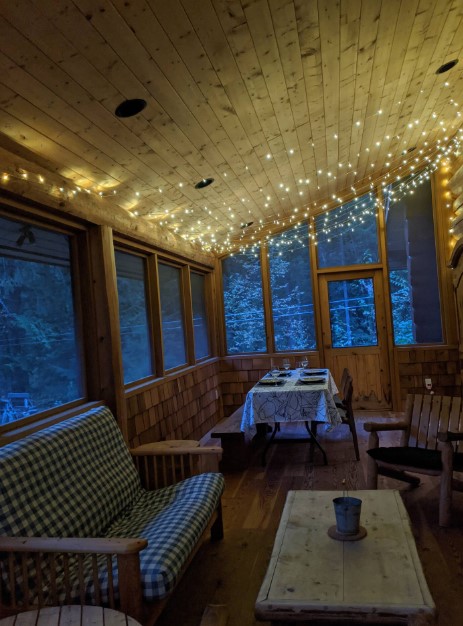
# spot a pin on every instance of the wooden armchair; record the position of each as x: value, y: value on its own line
x: 426, y: 422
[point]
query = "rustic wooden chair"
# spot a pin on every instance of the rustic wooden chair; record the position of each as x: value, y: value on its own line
x: 345, y: 411
x: 428, y: 419
x: 339, y: 398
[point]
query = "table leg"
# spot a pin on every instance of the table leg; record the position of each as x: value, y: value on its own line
x: 313, y: 439
x: 267, y: 445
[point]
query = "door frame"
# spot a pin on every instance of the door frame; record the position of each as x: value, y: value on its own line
x: 376, y: 274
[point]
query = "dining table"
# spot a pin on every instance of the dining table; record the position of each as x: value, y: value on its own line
x: 295, y: 395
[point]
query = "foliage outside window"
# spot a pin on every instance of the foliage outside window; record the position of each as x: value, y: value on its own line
x: 200, y: 328
x: 243, y: 303
x: 291, y: 288
x: 411, y: 249
x: 133, y: 317
x: 348, y: 235
x: 39, y: 355
x: 173, y: 330
x: 352, y: 313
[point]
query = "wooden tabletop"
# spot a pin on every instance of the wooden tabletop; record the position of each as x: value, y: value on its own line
x: 70, y: 616
x: 312, y: 575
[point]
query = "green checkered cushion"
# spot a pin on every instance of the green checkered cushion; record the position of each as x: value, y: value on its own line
x: 69, y: 480
x: 77, y: 479
x: 172, y: 520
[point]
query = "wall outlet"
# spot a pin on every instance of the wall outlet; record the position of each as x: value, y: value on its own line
x: 428, y: 383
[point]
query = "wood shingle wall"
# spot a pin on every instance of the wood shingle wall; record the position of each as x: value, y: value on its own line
x: 181, y: 406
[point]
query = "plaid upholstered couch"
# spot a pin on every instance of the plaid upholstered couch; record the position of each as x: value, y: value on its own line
x: 88, y: 531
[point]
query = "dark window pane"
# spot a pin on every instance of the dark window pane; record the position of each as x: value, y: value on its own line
x: 173, y: 333
x: 133, y: 317
x: 352, y: 313
x: 412, y: 261
x: 291, y: 286
x: 198, y: 298
x: 39, y: 356
x: 244, y: 311
x: 348, y: 235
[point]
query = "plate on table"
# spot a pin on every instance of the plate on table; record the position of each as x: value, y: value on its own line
x: 271, y: 381
x: 284, y: 374
x: 313, y: 372
x: 312, y: 380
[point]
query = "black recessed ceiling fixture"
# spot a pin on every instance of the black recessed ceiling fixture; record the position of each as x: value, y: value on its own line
x: 205, y: 182
x: 129, y: 108
x: 446, y: 66
x: 246, y: 225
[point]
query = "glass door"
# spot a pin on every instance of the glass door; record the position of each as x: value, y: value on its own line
x: 354, y: 334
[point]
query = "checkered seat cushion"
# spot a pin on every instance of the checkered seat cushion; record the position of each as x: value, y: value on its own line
x: 69, y: 480
x: 172, y: 520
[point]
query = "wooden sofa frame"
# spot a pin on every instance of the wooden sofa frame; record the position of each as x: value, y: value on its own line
x: 157, y: 469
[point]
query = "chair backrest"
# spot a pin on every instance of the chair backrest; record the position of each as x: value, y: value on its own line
x: 342, y: 386
x: 429, y: 414
x: 348, y: 392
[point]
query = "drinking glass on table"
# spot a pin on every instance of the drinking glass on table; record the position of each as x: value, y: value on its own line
x: 286, y: 364
x: 275, y: 372
x: 305, y: 362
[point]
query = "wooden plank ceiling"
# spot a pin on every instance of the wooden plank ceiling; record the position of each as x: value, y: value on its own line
x: 288, y: 105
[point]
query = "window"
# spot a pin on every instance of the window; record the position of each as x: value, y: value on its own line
x: 200, y: 329
x: 348, y: 235
x: 243, y: 303
x: 412, y: 261
x: 40, y: 365
x: 352, y: 313
x: 173, y: 331
x: 291, y: 287
x: 133, y: 317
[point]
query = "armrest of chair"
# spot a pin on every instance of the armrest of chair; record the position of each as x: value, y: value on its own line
x: 375, y: 427
x: 160, y: 466
x: 449, y: 436
x: 378, y: 426
x: 24, y: 553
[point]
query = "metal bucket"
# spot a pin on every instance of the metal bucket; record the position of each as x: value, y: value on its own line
x: 347, y: 511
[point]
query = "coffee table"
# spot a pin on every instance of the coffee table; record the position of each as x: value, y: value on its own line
x: 377, y: 580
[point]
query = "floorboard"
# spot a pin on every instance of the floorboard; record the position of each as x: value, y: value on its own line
x: 230, y: 572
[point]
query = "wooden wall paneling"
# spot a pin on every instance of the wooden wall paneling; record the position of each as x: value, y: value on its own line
x: 84, y: 304
x: 220, y: 308
x: 328, y: 16
x: 267, y: 299
x: 155, y: 313
x: 349, y: 29
x: 188, y: 314
x: 212, y: 313
x: 103, y: 272
x: 368, y: 33
x: 312, y: 251
x: 393, y: 365
x: 183, y: 405
x: 441, y: 198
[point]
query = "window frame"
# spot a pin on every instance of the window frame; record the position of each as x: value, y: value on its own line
x: 149, y: 310
x: 208, y: 307
x: 79, y: 248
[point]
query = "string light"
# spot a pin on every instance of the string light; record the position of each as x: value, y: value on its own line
x: 429, y: 159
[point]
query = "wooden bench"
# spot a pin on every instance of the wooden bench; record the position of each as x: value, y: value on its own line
x: 233, y: 441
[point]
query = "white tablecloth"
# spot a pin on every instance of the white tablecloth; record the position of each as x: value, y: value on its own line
x: 292, y: 401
